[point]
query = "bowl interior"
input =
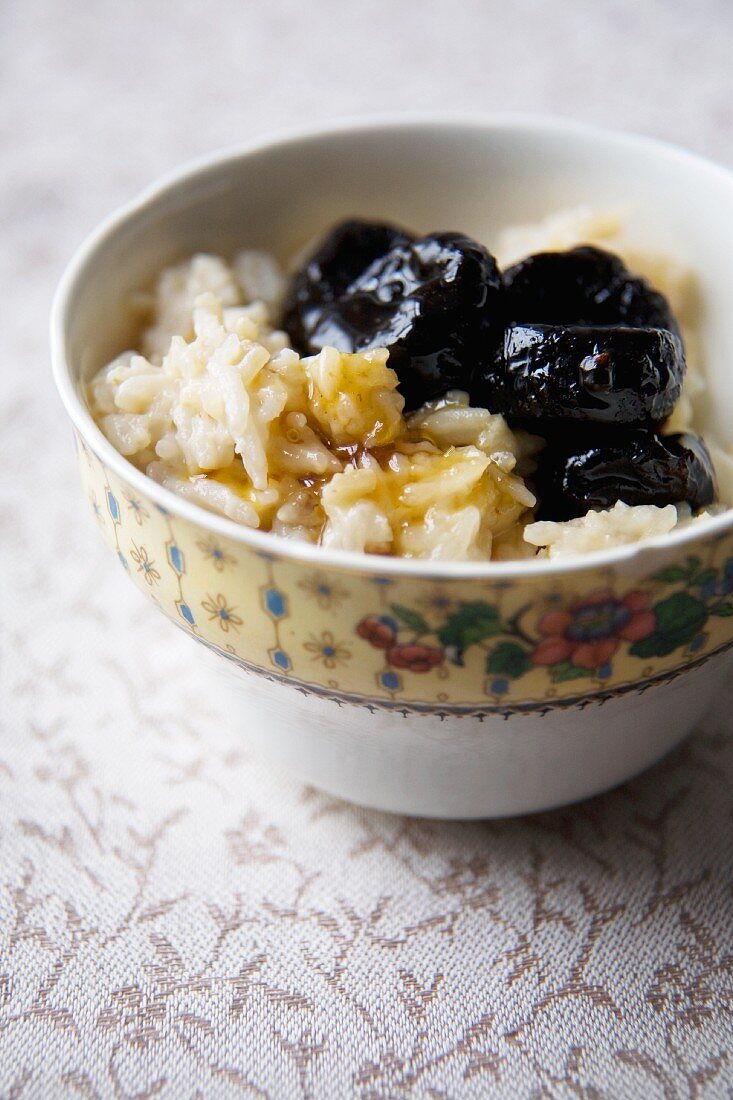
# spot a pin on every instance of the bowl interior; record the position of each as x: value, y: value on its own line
x: 474, y: 177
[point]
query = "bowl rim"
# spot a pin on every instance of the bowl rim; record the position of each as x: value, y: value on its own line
x: 266, y: 542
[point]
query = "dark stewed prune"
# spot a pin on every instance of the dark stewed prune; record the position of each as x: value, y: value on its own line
x: 633, y: 465
x: 583, y: 286
x: 347, y: 251
x: 608, y: 374
x: 435, y: 303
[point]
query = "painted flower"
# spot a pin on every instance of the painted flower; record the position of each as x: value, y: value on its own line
x: 219, y: 558
x: 380, y: 631
x: 415, y: 657
x: 588, y: 633
x: 325, y: 592
x: 144, y: 564
x: 137, y: 507
x: 218, y: 609
x: 94, y: 504
x: 327, y: 650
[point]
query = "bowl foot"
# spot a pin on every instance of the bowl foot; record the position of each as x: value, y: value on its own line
x: 471, y: 766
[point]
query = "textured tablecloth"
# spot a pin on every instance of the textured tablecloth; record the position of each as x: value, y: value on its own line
x: 176, y: 920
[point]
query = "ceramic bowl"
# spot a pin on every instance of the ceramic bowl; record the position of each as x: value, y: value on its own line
x: 455, y: 690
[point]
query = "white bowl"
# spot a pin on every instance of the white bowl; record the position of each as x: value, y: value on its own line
x: 500, y: 733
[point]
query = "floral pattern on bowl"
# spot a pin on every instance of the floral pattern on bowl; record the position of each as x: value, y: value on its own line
x: 574, y: 642
x: 415, y: 641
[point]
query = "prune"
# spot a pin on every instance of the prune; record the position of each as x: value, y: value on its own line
x: 434, y: 302
x: 633, y: 465
x: 583, y: 286
x: 605, y: 374
x: 345, y: 253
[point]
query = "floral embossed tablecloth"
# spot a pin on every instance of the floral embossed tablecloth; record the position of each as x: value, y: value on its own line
x: 176, y: 920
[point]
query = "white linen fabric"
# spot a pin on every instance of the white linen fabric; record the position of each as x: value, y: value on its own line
x: 176, y: 919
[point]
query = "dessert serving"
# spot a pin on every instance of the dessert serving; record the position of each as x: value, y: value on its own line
x: 405, y: 395
x: 446, y: 505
